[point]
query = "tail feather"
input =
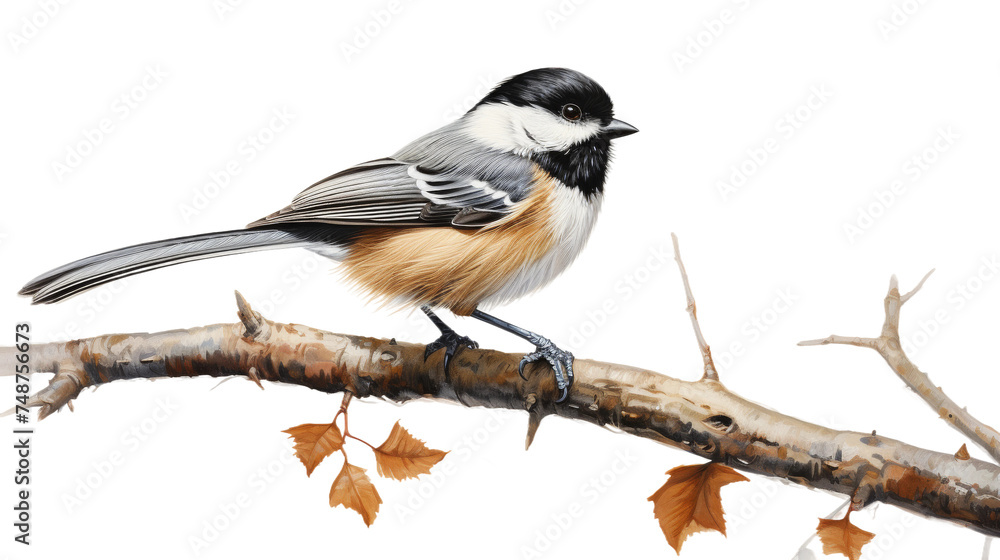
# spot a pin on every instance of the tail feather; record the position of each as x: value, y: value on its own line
x: 78, y: 276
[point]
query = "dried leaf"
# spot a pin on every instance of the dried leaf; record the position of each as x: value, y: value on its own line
x: 840, y: 536
x: 403, y: 456
x: 315, y: 442
x: 689, y: 502
x: 963, y: 453
x: 353, y: 489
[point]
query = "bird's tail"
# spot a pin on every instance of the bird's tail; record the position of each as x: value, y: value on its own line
x: 78, y: 276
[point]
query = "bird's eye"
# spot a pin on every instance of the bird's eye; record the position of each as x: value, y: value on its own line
x: 571, y: 112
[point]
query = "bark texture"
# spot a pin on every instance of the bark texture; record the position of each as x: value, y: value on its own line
x: 701, y: 417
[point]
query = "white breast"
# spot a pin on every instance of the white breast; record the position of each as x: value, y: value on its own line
x: 573, y: 220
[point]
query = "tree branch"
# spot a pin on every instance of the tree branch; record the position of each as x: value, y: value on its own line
x: 701, y: 417
x: 888, y: 345
x: 710, y: 372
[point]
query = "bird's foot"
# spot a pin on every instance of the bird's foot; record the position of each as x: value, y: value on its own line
x: 560, y: 360
x: 450, y: 341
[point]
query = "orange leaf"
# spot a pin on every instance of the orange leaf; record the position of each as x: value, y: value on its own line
x: 315, y: 442
x: 403, y: 456
x: 689, y: 502
x: 840, y: 536
x: 353, y: 489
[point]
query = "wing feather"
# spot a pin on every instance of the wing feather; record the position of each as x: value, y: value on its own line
x: 436, y: 180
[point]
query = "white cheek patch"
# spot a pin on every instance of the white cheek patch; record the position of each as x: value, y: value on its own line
x: 553, y: 132
x: 523, y: 130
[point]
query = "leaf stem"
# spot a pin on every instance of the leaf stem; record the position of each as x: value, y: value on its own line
x: 359, y: 439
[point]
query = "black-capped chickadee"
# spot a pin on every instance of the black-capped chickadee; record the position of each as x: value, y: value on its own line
x: 477, y: 213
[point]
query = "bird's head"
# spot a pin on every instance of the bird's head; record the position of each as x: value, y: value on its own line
x: 557, y: 117
x: 548, y: 109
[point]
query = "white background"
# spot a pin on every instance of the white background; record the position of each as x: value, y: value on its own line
x: 890, y: 91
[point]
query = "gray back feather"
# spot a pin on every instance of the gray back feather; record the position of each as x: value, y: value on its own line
x: 431, y: 181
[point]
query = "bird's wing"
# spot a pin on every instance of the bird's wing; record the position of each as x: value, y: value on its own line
x: 391, y: 191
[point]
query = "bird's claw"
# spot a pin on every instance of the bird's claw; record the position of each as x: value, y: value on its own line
x: 560, y: 360
x: 450, y: 341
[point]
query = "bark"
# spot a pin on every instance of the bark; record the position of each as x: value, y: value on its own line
x: 701, y: 417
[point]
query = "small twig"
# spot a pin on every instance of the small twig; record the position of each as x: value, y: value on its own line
x: 252, y: 374
x: 835, y: 339
x: 354, y: 437
x: 344, y: 403
x: 343, y: 410
x: 920, y: 284
x: 889, y: 346
x: 256, y: 326
x: 706, y: 353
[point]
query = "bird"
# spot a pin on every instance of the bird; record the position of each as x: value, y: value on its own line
x: 473, y: 215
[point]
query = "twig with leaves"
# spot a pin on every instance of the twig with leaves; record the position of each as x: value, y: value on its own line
x: 701, y: 417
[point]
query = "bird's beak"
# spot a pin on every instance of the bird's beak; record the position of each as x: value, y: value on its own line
x: 617, y: 129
